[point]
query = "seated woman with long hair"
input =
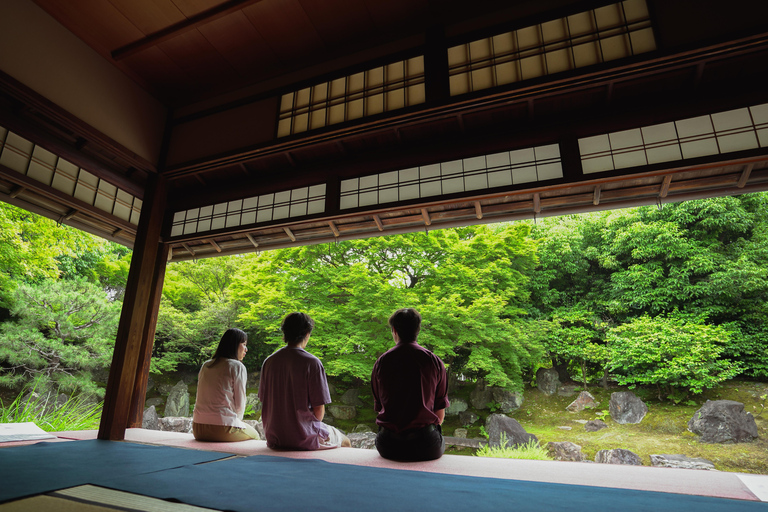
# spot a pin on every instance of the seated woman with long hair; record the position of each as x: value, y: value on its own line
x: 220, y: 402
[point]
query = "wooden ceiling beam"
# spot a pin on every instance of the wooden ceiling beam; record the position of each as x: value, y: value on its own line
x: 181, y: 27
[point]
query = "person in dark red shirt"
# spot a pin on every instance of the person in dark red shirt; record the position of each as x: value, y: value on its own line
x: 410, y: 394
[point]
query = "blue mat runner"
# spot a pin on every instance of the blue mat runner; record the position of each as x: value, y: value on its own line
x: 43, y: 467
x: 267, y: 483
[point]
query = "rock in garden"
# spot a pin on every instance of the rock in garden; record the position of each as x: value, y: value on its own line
x: 468, y: 418
x: 350, y: 397
x: 150, y: 421
x: 507, y: 400
x: 364, y: 440
x: 515, y: 434
x: 481, y: 396
x: 626, y: 407
x: 252, y: 402
x: 362, y: 427
x: 256, y: 425
x: 585, y: 400
x: 668, y: 460
x: 723, y: 421
x: 595, y: 425
x: 565, y: 450
x: 566, y: 390
x: 457, y: 407
x: 618, y: 456
x: 176, y: 424
x: 342, y: 412
x: 177, y: 403
x: 547, y: 380
x: 253, y: 380
x: 460, y: 433
x: 150, y: 402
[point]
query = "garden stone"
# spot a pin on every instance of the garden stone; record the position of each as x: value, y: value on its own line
x: 342, y: 412
x: 253, y: 380
x: 364, y: 440
x: 618, y: 456
x: 176, y: 424
x: 507, y: 400
x: 164, y: 388
x: 566, y: 390
x: 150, y: 421
x: 723, y: 421
x: 350, y: 397
x: 153, y: 402
x: 252, y: 401
x: 150, y: 383
x: 667, y: 460
x: 481, y: 396
x: 547, y: 380
x: 457, y: 407
x: 496, y: 424
x: 585, y: 400
x: 565, y: 450
x: 625, y: 407
x: 361, y: 428
x: 468, y: 418
x: 460, y: 433
x: 595, y: 425
x: 178, y: 401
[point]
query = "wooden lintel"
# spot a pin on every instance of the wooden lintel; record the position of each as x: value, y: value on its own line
x: 536, y: 203
x: 200, y: 179
x: 188, y: 248
x: 478, y: 210
x: 665, y: 185
x: 215, y: 245
x: 16, y: 191
x: 744, y: 178
x: 334, y: 228
x: 69, y: 215
x: 425, y: 215
x: 596, y: 195
x: 252, y: 240
x: 117, y: 231
x: 290, y: 158
x: 290, y: 234
x: 377, y: 220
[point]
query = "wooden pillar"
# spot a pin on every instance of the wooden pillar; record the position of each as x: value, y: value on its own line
x: 135, y: 333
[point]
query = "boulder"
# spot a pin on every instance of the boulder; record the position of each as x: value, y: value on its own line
x: 257, y: 425
x: 362, y: 427
x: 364, y: 440
x: 177, y: 403
x: 567, y: 390
x: 150, y: 421
x: 565, y: 450
x: 460, y: 433
x: 150, y: 402
x: 457, y: 407
x: 585, y: 400
x: 467, y: 418
x: 547, y: 380
x: 626, y: 407
x: 723, y: 421
x: 342, y: 412
x: 594, y: 425
x: 253, y: 380
x: 507, y: 400
x: 481, y: 396
x: 252, y: 401
x: 498, y: 424
x: 667, y: 460
x: 350, y: 397
x: 176, y: 424
x: 618, y: 456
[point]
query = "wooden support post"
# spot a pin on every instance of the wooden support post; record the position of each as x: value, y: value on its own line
x: 140, y: 299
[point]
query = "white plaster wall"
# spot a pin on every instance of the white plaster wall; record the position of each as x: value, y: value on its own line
x: 40, y: 53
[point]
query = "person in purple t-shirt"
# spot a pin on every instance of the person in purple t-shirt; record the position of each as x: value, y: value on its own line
x: 410, y: 394
x: 293, y: 390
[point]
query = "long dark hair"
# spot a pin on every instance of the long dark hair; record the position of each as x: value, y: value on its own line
x: 228, y: 344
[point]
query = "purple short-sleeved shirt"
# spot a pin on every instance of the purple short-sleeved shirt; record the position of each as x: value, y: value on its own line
x: 409, y: 384
x: 291, y: 381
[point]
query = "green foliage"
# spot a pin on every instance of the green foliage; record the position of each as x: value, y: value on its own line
x: 75, y: 414
x: 671, y: 353
x: 530, y: 451
x: 63, y: 331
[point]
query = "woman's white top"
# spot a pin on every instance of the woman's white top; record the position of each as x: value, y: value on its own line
x: 221, y: 394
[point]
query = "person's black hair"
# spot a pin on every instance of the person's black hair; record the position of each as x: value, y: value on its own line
x: 407, y: 323
x: 228, y: 345
x: 295, y: 327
